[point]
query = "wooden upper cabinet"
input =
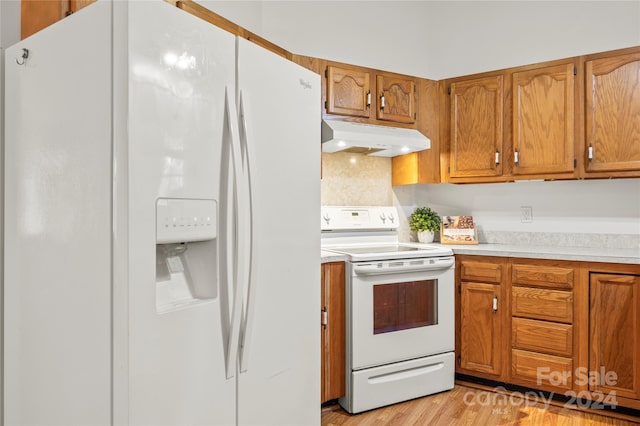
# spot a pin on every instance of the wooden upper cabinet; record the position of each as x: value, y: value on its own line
x: 615, y: 333
x: 613, y: 113
x: 476, y: 120
x: 543, y: 120
x: 396, y: 99
x: 38, y: 14
x: 355, y: 92
x: 76, y: 5
x: 348, y: 91
x: 422, y: 166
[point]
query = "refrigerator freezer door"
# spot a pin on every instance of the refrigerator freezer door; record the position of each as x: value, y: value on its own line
x: 281, y: 350
x: 57, y: 282
x: 179, y: 69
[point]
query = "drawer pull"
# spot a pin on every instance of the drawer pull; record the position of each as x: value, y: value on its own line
x: 495, y: 304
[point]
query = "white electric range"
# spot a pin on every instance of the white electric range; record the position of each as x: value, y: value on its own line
x: 400, y: 308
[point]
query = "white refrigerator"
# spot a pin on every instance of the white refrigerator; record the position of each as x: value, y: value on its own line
x: 162, y: 184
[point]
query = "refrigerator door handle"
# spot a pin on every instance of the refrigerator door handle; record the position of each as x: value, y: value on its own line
x: 250, y: 290
x: 235, y: 246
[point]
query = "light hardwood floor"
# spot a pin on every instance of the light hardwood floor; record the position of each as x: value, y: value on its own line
x: 468, y: 406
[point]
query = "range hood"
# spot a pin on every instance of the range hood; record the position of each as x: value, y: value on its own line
x: 370, y: 139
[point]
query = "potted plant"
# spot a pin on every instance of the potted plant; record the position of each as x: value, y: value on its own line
x: 425, y: 222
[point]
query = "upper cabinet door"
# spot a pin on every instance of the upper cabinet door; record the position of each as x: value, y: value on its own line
x: 348, y: 92
x: 395, y: 99
x: 612, y: 113
x: 476, y: 127
x: 543, y: 120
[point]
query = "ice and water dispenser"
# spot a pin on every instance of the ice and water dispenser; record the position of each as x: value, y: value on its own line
x: 186, y: 267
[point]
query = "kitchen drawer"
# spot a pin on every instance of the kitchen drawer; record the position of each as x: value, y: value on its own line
x: 541, y: 370
x: 542, y: 336
x: 481, y: 271
x: 542, y: 304
x: 542, y: 276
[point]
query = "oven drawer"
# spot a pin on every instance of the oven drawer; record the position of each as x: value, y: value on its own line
x: 388, y: 384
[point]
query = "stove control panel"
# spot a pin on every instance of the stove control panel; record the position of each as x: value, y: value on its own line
x: 334, y: 218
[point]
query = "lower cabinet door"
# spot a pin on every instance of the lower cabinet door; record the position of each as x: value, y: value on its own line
x: 615, y: 334
x: 332, y: 331
x: 480, y: 328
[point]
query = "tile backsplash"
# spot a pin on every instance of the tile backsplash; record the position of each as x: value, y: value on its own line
x: 355, y: 180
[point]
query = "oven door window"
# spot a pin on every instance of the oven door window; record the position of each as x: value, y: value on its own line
x: 405, y: 305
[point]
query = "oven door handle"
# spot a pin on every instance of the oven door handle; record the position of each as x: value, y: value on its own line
x: 401, y: 266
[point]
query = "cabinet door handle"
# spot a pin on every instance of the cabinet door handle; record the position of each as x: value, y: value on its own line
x: 368, y: 98
x: 590, y: 152
x: 495, y: 304
x: 516, y: 157
x: 382, y: 101
x: 497, y: 157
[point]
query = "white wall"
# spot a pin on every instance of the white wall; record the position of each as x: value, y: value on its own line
x: 439, y: 39
x: 477, y: 36
x: 579, y: 206
x: 248, y: 14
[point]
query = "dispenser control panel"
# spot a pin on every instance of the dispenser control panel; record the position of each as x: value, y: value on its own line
x: 182, y: 220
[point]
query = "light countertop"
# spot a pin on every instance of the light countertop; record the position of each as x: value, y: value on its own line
x: 584, y: 254
x: 327, y: 256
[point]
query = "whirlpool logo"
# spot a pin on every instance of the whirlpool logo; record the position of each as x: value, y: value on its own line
x: 305, y: 84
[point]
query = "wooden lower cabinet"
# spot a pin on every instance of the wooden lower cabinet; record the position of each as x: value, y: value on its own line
x: 567, y: 327
x: 542, y: 336
x: 543, y: 304
x: 332, y: 320
x: 544, y: 311
x: 615, y: 333
x: 481, y: 328
x: 480, y: 317
x: 541, y: 370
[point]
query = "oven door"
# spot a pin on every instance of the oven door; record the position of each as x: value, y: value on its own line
x: 400, y: 310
